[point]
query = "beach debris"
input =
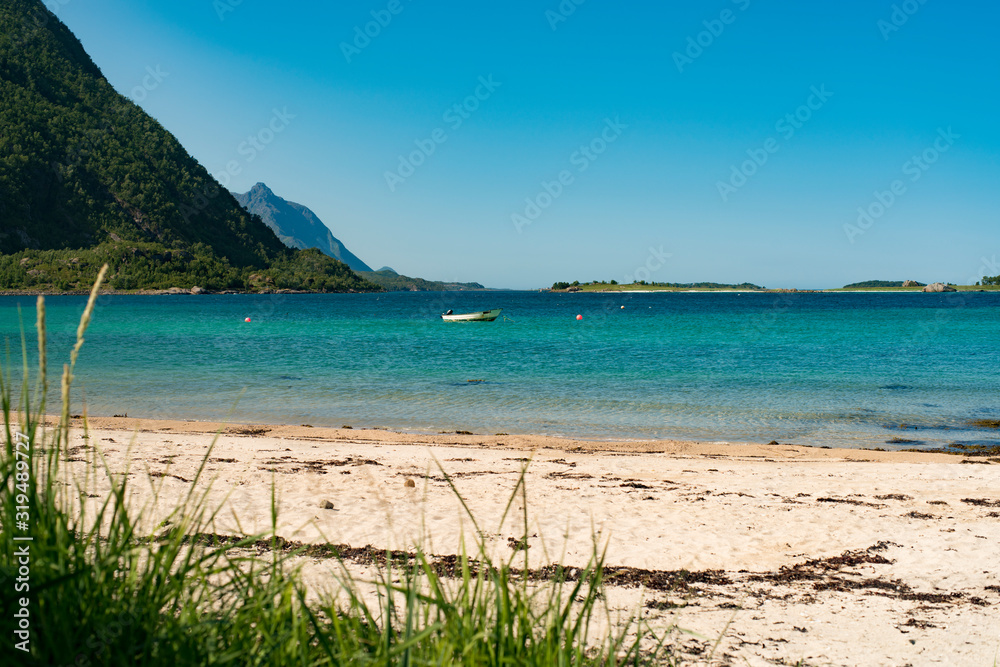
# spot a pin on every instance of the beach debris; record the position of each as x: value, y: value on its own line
x: 662, y: 605
x: 409, y: 483
x: 848, y: 501
x: 518, y: 544
x: 981, y: 502
x: 326, y: 504
x: 247, y: 430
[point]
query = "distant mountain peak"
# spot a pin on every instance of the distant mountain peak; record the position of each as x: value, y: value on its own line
x: 296, y: 225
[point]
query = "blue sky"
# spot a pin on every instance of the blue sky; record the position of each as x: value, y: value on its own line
x: 783, y: 143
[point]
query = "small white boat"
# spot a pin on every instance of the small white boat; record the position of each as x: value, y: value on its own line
x: 482, y: 316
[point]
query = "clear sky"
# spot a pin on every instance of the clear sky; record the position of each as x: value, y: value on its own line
x: 788, y: 144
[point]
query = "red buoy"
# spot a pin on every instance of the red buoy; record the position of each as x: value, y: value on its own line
x: 579, y: 317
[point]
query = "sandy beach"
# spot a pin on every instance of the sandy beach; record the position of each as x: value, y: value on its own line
x: 768, y: 554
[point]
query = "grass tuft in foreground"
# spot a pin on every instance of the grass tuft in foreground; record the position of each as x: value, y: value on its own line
x: 98, y: 591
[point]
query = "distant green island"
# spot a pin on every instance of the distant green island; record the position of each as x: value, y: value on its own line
x: 884, y: 283
x: 643, y: 286
x: 986, y: 284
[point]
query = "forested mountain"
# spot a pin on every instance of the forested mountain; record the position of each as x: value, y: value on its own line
x: 86, y: 176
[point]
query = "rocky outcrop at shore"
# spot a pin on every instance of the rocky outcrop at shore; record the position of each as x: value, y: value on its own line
x: 939, y: 287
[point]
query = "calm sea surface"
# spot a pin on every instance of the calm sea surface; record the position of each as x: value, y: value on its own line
x: 857, y: 370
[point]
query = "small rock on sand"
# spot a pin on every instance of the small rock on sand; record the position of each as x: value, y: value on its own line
x: 326, y: 504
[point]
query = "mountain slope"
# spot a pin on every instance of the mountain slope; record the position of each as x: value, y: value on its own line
x: 84, y: 171
x: 296, y: 225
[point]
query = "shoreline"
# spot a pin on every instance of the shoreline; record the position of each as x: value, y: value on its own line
x: 515, y: 441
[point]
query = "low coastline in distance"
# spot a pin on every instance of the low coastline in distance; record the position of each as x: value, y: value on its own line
x: 390, y: 281
x: 984, y: 285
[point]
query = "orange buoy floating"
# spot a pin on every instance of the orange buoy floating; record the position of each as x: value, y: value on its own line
x: 247, y: 319
x: 579, y: 317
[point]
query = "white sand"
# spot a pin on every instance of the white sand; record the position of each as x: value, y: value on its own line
x: 747, y: 510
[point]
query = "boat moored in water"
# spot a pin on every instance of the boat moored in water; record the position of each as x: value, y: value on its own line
x: 481, y: 316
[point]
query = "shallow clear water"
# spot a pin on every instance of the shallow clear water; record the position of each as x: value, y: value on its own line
x: 821, y: 369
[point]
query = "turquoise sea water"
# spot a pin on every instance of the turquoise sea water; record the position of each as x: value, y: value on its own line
x: 823, y: 369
